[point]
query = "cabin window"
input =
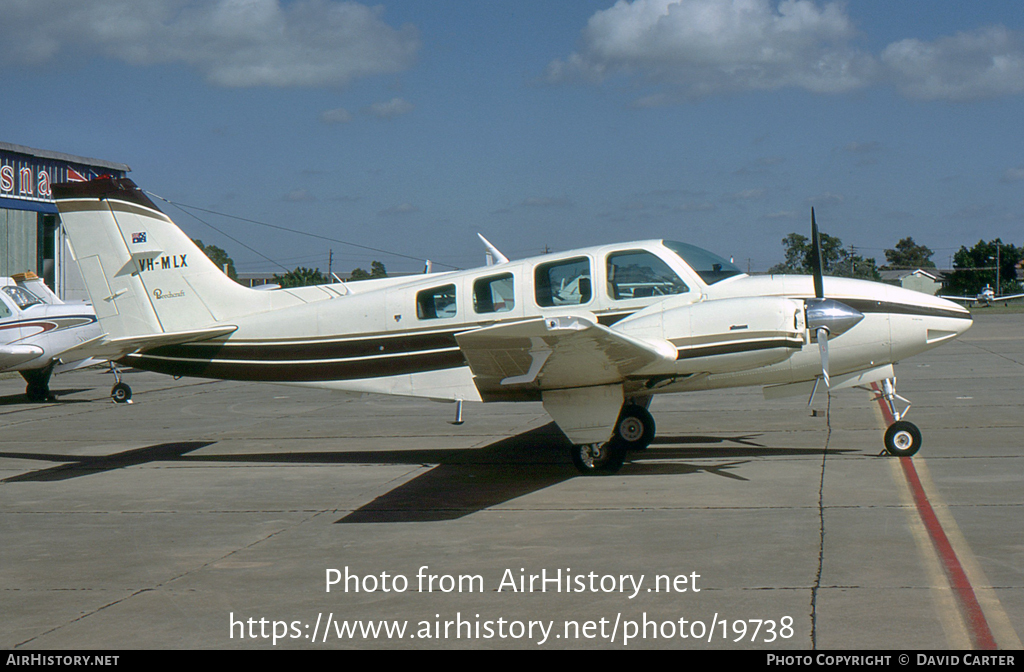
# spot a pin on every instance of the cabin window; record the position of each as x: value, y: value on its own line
x: 709, y: 266
x: 563, y: 283
x: 5, y: 311
x: 640, y: 274
x: 436, y: 303
x: 495, y: 294
x: 22, y: 297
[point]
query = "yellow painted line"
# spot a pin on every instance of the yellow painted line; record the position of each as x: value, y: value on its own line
x: 994, y: 618
x: 946, y: 609
x: 1005, y: 636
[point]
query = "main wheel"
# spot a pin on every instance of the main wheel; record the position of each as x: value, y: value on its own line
x: 121, y: 393
x: 593, y: 459
x: 902, y: 439
x: 635, y: 428
x: 37, y: 393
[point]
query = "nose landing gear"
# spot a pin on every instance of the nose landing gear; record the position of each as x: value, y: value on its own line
x: 902, y: 438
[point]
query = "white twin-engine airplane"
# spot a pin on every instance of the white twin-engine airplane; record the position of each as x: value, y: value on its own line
x: 592, y: 333
x: 986, y: 297
x: 40, y: 335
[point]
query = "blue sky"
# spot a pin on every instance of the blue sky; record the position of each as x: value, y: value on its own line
x: 410, y: 126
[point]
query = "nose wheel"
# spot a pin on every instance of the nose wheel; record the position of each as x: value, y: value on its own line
x: 902, y: 439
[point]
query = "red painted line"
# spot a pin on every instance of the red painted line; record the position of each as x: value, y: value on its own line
x: 970, y: 609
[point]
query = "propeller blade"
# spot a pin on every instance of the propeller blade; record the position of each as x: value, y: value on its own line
x: 819, y: 285
x: 823, y: 349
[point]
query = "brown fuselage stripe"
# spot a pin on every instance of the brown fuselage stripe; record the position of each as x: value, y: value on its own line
x: 300, y: 371
x: 310, y: 350
x: 733, y: 348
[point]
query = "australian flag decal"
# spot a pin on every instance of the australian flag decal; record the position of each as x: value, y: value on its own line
x: 139, y: 237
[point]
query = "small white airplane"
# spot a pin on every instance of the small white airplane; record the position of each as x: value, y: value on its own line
x: 40, y: 335
x: 592, y: 333
x: 986, y: 297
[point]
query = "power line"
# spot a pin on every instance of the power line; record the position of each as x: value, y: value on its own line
x: 182, y: 206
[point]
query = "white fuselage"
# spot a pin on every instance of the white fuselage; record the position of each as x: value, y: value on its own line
x: 378, y: 336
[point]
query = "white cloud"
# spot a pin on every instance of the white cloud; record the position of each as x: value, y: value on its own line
x: 979, y: 64
x: 236, y: 43
x: 709, y: 46
x: 697, y: 48
x: 395, y: 107
x: 1013, y: 175
x: 826, y: 198
x: 336, y: 116
x: 547, y: 202
x: 745, y: 195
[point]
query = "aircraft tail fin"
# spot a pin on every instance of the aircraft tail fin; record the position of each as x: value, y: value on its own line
x: 143, y: 274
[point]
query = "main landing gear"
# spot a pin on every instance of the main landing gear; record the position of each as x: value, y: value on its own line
x: 120, y: 393
x: 38, y: 387
x: 902, y: 438
x: 634, y: 430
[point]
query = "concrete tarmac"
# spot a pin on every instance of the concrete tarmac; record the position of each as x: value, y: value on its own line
x: 211, y: 514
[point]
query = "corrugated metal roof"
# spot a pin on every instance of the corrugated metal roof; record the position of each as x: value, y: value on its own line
x: 60, y: 156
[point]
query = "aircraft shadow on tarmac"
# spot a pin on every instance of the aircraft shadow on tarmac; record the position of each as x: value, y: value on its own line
x: 22, y: 399
x: 463, y: 481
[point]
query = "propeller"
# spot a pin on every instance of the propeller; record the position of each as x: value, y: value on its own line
x: 825, y: 317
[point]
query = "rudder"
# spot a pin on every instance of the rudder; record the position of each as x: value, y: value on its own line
x: 143, y: 274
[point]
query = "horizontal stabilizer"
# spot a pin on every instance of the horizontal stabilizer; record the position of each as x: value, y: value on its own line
x: 555, y: 353
x: 115, y: 348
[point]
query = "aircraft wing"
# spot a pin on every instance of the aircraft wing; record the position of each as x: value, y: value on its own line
x: 969, y: 299
x: 554, y: 353
x: 12, y: 355
x: 103, y: 347
x: 1009, y: 297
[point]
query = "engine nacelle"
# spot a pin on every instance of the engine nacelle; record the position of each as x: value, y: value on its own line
x: 724, y: 335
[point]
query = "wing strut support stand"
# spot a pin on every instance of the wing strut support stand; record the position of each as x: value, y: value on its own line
x: 458, y: 413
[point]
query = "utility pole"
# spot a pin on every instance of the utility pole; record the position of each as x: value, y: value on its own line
x: 330, y: 263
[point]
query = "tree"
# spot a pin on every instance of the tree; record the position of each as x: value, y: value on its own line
x: 835, y: 260
x: 377, y: 270
x: 219, y: 257
x: 910, y: 255
x: 301, y: 277
x: 976, y: 267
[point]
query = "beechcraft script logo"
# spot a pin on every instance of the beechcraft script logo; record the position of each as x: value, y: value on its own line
x: 139, y: 237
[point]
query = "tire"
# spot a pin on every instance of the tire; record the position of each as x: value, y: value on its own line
x: 37, y: 393
x: 121, y: 393
x: 902, y: 439
x: 635, y: 428
x: 598, y: 459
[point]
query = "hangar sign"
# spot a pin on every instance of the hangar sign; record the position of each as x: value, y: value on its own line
x: 30, y: 177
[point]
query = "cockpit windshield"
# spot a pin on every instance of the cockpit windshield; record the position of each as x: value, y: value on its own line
x: 22, y: 297
x: 709, y: 266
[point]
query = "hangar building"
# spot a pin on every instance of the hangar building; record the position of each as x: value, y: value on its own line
x: 31, y: 238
